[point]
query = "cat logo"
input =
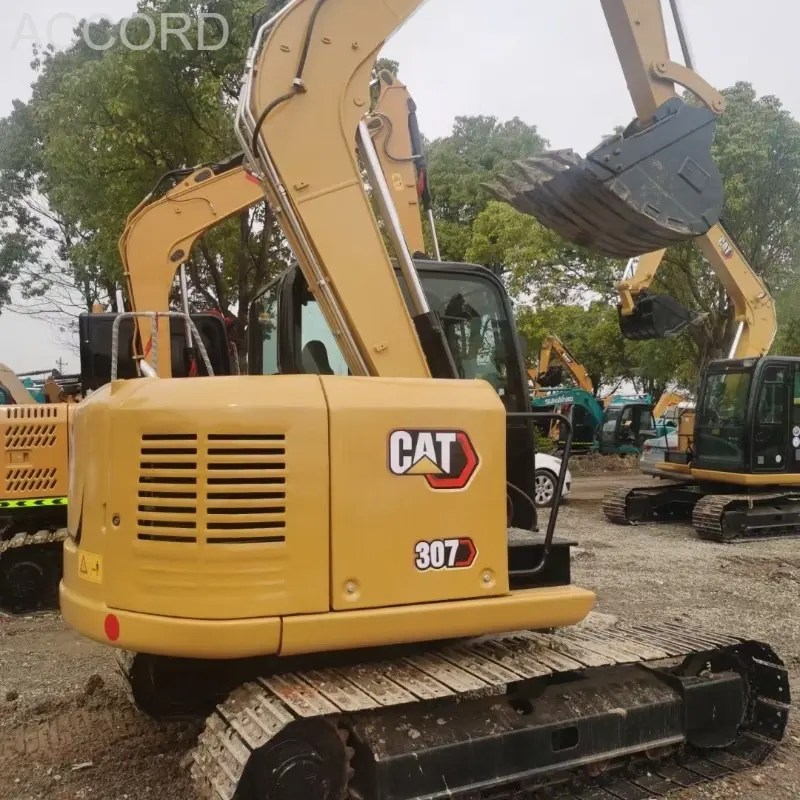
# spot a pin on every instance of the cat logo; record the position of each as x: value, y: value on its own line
x: 446, y: 459
x: 725, y: 247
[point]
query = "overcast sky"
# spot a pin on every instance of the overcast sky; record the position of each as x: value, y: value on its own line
x: 549, y: 62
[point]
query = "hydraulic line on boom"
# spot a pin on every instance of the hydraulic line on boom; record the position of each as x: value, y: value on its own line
x: 337, y: 544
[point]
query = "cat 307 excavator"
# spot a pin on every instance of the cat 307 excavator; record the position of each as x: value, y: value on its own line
x: 340, y: 542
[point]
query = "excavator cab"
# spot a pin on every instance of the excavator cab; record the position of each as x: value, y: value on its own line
x: 655, y: 185
x: 626, y: 427
x: 289, y: 335
x: 748, y: 418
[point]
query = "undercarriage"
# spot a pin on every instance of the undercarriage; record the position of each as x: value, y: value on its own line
x: 597, y: 711
x: 31, y: 558
x: 720, y: 513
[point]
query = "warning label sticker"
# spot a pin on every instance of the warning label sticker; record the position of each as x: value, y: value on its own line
x: 90, y: 567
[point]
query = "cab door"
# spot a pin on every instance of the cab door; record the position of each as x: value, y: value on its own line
x: 773, y: 424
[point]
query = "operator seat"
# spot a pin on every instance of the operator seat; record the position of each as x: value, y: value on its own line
x: 314, y: 358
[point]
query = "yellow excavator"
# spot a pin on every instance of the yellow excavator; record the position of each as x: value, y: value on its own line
x: 33, y: 496
x: 740, y: 449
x: 547, y: 375
x: 334, y: 547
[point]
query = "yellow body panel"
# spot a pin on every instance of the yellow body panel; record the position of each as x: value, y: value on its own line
x: 747, y: 479
x: 678, y: 469
x: 34, y: 451
x: 378, y: 517
x: 86, y: 612
x: 212, y: 508
x: 169, y: 465
x: 532, y: 609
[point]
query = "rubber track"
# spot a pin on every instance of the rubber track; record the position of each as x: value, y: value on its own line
x: 258, y: 711
x: 33, y: 539
x: 615, y: 506
x: 708, y: 515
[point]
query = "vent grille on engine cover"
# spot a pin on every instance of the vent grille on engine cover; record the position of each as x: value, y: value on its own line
x: 219, y: 489
x: 29, y: 437
x: 23, y: 480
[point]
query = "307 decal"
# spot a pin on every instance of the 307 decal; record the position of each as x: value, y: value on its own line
x: 444, y: 554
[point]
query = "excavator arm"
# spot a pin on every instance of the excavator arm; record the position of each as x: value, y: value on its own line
x: 545, y: 375
x: 395, y: 131
x: 309, y: 70
x: 650, y: 316
x: 159, y: 236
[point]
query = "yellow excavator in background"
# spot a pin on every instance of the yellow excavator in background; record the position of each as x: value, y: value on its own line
x: 742, y: 455
x: 667, y: 402
x: 740, y: 447
x: 548, y: 376
x: 337, y: 544
x: 33, y: 496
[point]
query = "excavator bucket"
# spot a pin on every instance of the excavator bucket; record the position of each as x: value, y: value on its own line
x: 655, y: 316
x: 553, y: 377
x: 644, y: 190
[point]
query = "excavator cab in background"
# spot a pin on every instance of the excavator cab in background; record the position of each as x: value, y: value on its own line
x: 97, y: 340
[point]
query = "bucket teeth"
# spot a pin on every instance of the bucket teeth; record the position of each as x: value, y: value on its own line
x: 654, y: 188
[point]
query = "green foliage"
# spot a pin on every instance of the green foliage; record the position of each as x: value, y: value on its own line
x: 592, y: 336
x: 543, y: 444
x: 541, y: 265
x: 101, y: 128
x: 478, y: 149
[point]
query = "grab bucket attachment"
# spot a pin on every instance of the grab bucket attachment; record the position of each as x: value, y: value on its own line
x: 644, y: 190
x: 655, y: 316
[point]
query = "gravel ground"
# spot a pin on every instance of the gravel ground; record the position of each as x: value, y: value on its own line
x: 62, y: 703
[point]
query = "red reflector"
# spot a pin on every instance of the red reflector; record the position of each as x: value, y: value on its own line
x: 111, y: 626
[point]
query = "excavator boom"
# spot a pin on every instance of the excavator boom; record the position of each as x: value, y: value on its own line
x: 644, y: 315
x: 159, y: 236
x: 551, y: 376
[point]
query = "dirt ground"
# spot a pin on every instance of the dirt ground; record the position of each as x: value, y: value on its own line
x: 62, y: 703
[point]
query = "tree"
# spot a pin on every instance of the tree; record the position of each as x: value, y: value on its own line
x: 540, y: 265
x: 591, y: 334
x: 478, y: 148
x: 103, y: 128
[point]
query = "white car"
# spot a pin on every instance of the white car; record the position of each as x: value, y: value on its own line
x: 547, y: 469
x: 653, y: 454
